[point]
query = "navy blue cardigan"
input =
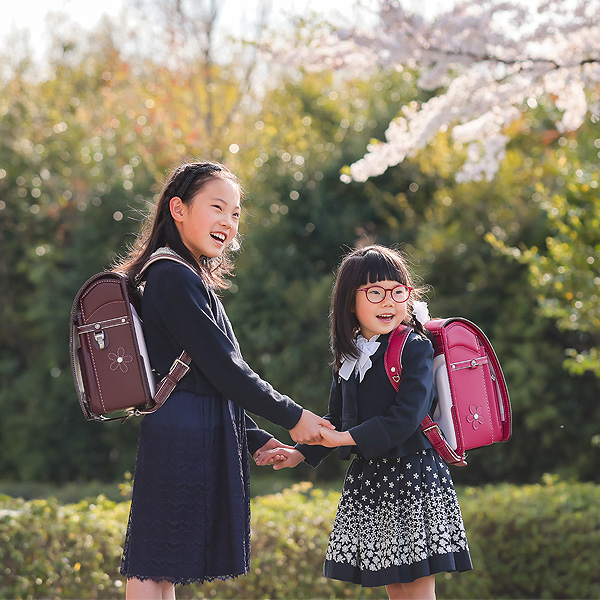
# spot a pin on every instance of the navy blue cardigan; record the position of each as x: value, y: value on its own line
x: 180, y: 312
x: 383, y: 423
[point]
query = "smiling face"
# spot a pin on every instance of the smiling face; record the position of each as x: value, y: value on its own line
x: 379, y: 318
x: 209, y: 223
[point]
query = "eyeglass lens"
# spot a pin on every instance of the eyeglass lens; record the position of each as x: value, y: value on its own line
x: 376, y: 294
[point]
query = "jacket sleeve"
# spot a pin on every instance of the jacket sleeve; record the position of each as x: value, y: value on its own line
x: 314, y: 454
x: 185, y: 308
x: 377, y: 435
x: 256, y: 436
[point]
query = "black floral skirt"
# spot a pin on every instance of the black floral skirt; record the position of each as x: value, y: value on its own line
x: 397, y: 520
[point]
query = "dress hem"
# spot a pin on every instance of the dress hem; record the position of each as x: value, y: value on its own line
x: 455, y: 563
x: 180, y: 581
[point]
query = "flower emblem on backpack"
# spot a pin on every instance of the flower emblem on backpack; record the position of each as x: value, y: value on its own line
x: 475, y: 418
x: 119, y: 360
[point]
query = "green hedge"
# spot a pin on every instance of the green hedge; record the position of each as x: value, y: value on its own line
x: 534, y: 541
x: 49, y: 550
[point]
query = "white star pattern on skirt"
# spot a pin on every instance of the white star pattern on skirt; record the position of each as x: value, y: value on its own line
x: 413, y: 519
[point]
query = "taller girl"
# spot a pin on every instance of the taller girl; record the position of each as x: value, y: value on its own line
x: 190, y: 511
x: 398, y: 522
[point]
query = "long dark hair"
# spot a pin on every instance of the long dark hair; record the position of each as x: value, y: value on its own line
x: 185, y: 181
x: 358, y: 268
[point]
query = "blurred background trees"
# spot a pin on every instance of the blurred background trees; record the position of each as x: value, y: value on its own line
x: 83, y: 145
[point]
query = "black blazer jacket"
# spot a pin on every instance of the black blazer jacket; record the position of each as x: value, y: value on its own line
x: 383, y: 423
x: 179, y: 312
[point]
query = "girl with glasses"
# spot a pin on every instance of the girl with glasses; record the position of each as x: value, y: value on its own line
x: 398, y: 521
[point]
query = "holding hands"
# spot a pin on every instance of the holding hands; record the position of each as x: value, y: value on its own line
x: 308, y: 428
x: 282, y: 456
x: 332, y: 439
x: 277, y: 454
x: 271, y: 452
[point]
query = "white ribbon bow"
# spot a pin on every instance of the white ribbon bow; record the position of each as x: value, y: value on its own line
x: 421, y: 312
x: 363, y: 363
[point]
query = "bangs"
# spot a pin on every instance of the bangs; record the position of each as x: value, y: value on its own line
x: 378, y: 266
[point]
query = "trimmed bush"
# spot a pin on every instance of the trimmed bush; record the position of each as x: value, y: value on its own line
x: 290, y: 531
x: 49, y: 550
x: 534, y: 541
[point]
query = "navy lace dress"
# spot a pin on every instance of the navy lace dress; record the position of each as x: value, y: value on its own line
x: 190, y: 510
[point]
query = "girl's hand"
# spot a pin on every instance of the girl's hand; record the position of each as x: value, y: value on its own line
x: 307, y: 428
x: 265, y: 456
x: 291, y: 458
x: 332, y: 439
x: 280, y: 458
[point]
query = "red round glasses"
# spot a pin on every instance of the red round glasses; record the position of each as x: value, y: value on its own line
x: 376, y: 294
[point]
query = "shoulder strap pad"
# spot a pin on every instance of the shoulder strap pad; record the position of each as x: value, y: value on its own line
x: 393, y: 354
x: 168, y: 254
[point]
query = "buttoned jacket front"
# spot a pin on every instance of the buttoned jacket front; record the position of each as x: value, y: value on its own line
x: 383, y: 423
x: 180, y: 312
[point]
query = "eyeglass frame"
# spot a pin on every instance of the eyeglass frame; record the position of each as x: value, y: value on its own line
x: 391, y: 291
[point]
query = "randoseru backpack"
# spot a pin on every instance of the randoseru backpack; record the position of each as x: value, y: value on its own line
x: 473, y: 408
x: 111, y: 369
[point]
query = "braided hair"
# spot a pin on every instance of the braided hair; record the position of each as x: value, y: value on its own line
x: 418, y: 327
x: 184, y: 181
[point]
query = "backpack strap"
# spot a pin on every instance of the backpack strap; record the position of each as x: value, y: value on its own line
x: 434, y: 434
x: 181, y: 365
x: 165, y: 253
x: 393, y: 354
x: 393, y: 367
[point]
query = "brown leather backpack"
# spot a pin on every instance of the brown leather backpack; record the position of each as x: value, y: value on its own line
x: 111, y: 369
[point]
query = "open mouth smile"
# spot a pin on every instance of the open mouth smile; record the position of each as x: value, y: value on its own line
x: 385, y: 318
x: 219, y: 237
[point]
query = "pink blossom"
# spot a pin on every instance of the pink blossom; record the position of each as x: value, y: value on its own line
x: 492, y: 57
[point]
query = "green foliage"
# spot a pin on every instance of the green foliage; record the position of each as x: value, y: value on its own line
x: 301, y: 220
x: 443, y: 226
x: 69, y: 177
x: 565, y: 273
x: 80, y: 151
x: 65, y: 493
x: 48, y: 550
x: 563, y: 267
x: 290, y: 531
x: 534, y: 541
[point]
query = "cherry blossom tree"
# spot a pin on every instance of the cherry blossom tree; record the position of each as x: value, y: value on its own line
x: 489, y: 58
x: 485, y: 64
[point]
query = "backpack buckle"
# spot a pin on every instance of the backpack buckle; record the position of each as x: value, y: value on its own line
x: 178, y: 362
x: 431, y: 427
x: 100, y: 338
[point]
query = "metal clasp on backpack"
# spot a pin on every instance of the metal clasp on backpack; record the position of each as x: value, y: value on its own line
x: 186, y: 368
x: 469, y: 364
x: 433, y: 426
x: 99, y: 337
